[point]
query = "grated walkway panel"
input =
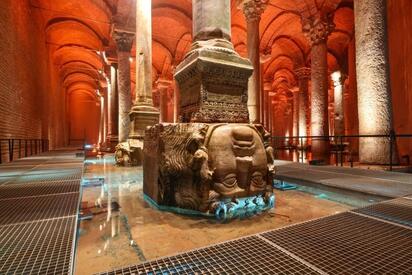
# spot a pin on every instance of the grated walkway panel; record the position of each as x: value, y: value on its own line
x: 42, y: 247
x: 14, y: 191
x: 29, y: 209
x: 397, y: 211
x: 250, y: 255
x: 349, y: 244
x: 39, y: 202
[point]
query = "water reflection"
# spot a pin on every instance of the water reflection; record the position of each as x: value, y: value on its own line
x: 125, y: 230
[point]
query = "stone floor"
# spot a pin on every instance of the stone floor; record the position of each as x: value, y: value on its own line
x: 375, y: 182
x: 138, y: 232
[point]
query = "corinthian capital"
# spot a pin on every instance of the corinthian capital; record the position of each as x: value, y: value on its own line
x: 302, y: 73
x: 253, y: 9
x: 124, y: 40
x: 318, y: 27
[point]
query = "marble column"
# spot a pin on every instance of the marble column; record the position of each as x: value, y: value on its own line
x: 113, y: 135
x: 267, y: 87
x: 295, y: 115
x: 303, y: 76
x: 163, y: 86
x: 317, y: 29
x: 175, y: 102
x: 143, y: 113
x: 124, y: 41
x: 373, y: 83
x: 253, y: 10
x: 338, y: 91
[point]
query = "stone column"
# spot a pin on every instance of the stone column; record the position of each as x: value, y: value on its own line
x: 113, y: 135
x: 175, y: 102
x: 338, y: 92
x: 124, y: 41
x: 253, y: 10
x: 317, y: 29
x: 295, y: 115
x: 372, y: 67
x: 163, y: 86
x: 143, y: 113
x: 303, y: 76
x: 267, y: 87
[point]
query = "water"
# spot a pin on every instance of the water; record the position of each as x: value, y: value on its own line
x: 125, y: 230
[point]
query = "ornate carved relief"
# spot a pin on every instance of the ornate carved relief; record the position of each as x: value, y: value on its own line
x: 124, y: 40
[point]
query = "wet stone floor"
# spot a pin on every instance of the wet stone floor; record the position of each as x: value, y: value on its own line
x: 123, y: 229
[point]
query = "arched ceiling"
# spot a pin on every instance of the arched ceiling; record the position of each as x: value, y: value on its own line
x: 78, y: 31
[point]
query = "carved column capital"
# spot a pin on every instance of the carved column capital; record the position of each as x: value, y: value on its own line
x: 124, y: 40
x: 318, y: 27
x: 303, y: 73
x: 253, y: 9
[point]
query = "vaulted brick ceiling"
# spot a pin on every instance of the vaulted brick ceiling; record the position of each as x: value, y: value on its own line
x: 78, y: 32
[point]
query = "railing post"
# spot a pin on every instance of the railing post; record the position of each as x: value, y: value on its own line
x: 301, y: 149
x: 11, y: 152
x: 391, y: 140
x: 341, y: 153
x: 19, y: 148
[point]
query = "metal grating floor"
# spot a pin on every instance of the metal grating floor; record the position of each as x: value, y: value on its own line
x: 349, y: 244
x: 346, y: 243
x: 38, y: 189
x: 233, y: 257
x: 397, y: 211
x: 42, y: 247
x: 39, y: 202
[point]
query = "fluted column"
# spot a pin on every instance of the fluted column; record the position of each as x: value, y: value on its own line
x: 113, y: 135
x: 124, y: 41
x: 303, y: 76
x: 317, y: 29
x: 372, y: 67
x: 253, y: 10
x: 143, y: 113
x: 338, y: 91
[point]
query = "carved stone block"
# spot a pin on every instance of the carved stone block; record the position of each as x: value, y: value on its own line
x: 209, y: 168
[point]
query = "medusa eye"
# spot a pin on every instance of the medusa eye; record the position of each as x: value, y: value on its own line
x: 230, y: 180
x: 257, y: 179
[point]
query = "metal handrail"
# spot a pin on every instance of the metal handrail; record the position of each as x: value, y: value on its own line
x: 392, y: 136
x: 28, y: 146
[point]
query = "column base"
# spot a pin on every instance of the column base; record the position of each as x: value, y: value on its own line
x: 130, y: 152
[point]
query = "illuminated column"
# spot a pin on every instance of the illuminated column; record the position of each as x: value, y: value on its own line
x: 163, y: 86
x: 124, y: 41
x: 317, y: 29
x: 372, y: 67
x: 338, y: 91
x: 175, y: 102
x: 295, y: 115
x: 143, y: 113
x: 253, y: 10
x: 267, y: 87
x: 303, y: 76
x: 113, y: 107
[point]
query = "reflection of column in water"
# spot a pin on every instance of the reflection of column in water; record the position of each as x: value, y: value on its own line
x: 115, y: 223
x: 109, y: 191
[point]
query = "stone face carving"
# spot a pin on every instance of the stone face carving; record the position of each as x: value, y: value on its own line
x: 209, y: 167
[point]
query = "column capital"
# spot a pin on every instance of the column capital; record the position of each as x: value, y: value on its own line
x: 163, y: 83
x: 253, y: 9
x: 338, y: 79
x: 124, y: 40
x: 303, y: 73
x: 318, y: 27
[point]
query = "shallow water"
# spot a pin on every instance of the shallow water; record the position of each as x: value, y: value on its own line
x: 136, y: 232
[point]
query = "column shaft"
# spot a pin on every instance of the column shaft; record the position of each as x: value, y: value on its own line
x: 319, y: 102
x: 372, y: 67
x: 338, y: 92
x: 113, y: 107
x: 125, y: 97
x: 296, y: 130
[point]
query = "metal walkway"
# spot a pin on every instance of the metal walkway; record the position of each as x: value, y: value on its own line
x: 39, y: 202
x: 372, y: 240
